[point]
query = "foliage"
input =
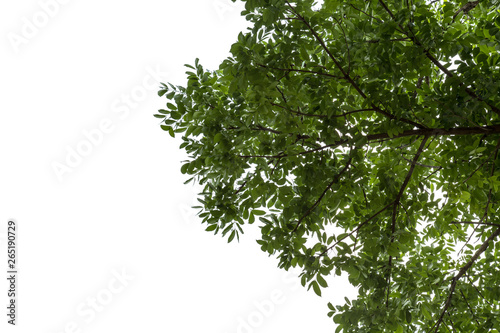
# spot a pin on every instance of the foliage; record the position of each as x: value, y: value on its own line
x: 363, y: 136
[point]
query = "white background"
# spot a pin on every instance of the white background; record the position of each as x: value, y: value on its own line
x: 68, y: 67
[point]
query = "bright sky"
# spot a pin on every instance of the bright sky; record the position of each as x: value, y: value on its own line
x: 106, y: 239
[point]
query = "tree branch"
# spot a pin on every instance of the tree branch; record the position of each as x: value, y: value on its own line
x: 480, y: 223
x: 379, y: 20
x: 484, y: 162
x: 335, y: 179
x: 480, y: 294
x: 494, y: 129
x: 470, y: 308
x: 322, y: 115
x: 466, y: 8
x: 461, y: 272
x: 396, y: 205
x: 346, y: 44
x: 423, y: 165
x: 300, y: 71
x: 357, y: 228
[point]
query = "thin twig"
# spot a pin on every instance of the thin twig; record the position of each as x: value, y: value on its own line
x: 480, y: 294
x: 379, y: 20
x: 486, y: 160
x: 423, y: 165
x: 335, y: 179
x: 346, y: 44
x: 470, y: 309
x: 300, y: 71
x: 357, y: 228
x: 481, y: 223
x: 460, y: 273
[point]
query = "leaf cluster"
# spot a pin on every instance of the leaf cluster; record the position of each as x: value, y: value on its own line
x: 362, y: 137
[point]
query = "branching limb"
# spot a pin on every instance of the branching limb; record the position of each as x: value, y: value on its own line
x: 494, y: 129
x: 370, y: 16
x: 484, y: 162
x: 346, y: 45
x: 466, y: 8
x: 395, y: 209
x: 422, y: 165
x: 321, y: 115
x: 335, y: 180
x: 480, y: 223
x: 404, y: 39
x: 470, y: 309
x: 287, y: 70
x: 356, y: 230
x: 460, y: 273
x: 479, y: 293
x: 484, y: 218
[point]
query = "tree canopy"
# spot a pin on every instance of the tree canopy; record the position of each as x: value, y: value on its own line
x: 363, y: 137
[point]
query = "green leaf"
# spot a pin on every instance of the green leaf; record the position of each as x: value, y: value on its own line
x: 316, y: 288
x: 321, y: 281
x: 217, y: 137
x: 231, y: 237
x: 211, y: 227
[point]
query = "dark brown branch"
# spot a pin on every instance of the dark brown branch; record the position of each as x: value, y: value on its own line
x: 486, y: 160
x: 480, y: 223
x: 396, y: 205
x: 470, y: 308
x: 388, y: 282
x: 494, y: 129
x: 404, y: 39
x: 423, y: 165
x: 282, y: 95
x: 249, y: 177
x: 379, y: 20
x: 357, y: 228
x: 257, y: 128
x: 485, y: 215
x: 466, y: 8
x: 322, y: 115
x: 480, y: 294
x: 351, y: 112
x: 262, y: 128
x: 241, y: 187
x: 410, y: 172
x: 335, y: 180
x: 451, y: 322
x: 275, y: 165
x: 346, y: 44
x: 300, y: 113
x: 431, y: 174
x: 461, y: 272
x: 300, y: 71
